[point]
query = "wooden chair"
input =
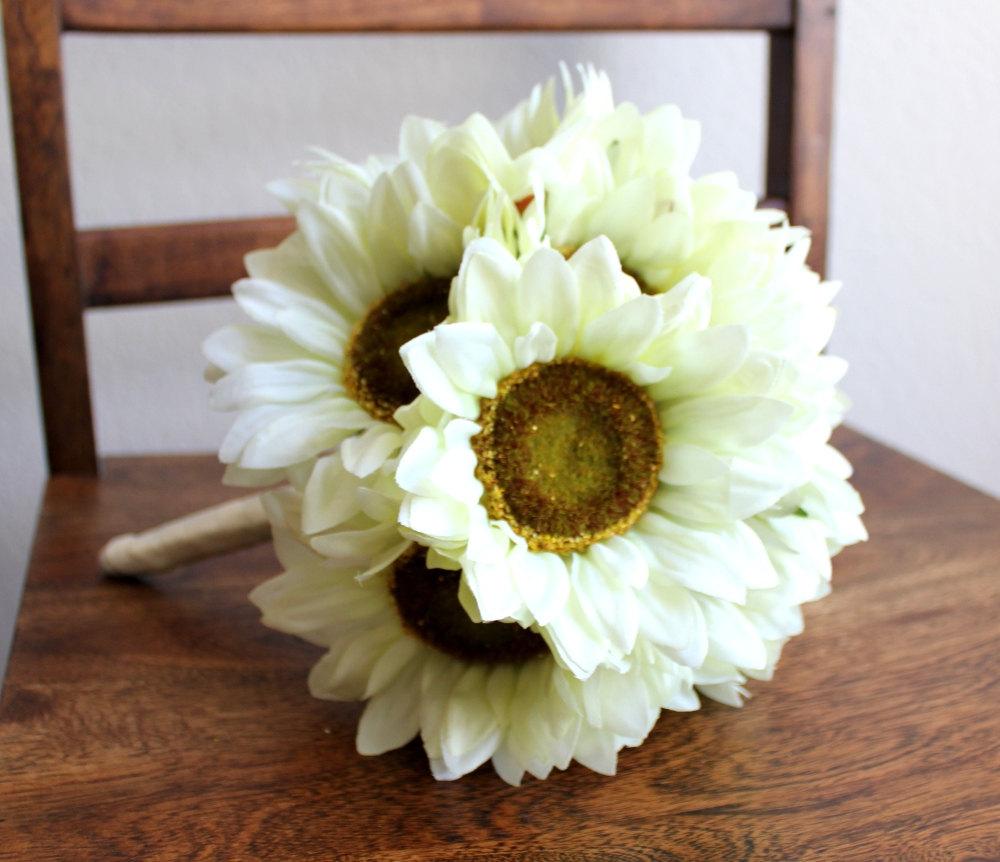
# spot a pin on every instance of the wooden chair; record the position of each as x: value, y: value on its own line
x: 161, y: 721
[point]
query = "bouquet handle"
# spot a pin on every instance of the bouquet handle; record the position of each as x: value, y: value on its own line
x: 219, y: 529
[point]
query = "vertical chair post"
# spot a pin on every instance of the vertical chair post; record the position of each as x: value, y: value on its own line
x: 799, y: 119
x: 34, y: 65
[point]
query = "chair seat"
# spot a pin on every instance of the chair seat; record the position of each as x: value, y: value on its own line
x: 159, y: 720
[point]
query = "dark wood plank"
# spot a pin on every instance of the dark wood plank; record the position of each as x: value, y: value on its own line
x: 428, y: 15
x: 34, y: 70
x: 811, y: 115
x: 173, y: 261
x: 195, y: 260
x: 160, y: 721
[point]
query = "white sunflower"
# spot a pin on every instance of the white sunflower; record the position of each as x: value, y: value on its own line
x: 368, y: 267
x: 604, y: 463
x: 610, y: 170
x: 474, y: 692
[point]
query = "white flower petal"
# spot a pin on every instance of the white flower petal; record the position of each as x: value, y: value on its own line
x: 619, y: 558
x: 435, y: 241
x: 339, y: 255
x: 725, y: 423
x: 619, y: 336
x: 432, y: 380
x: 598, y: 276
x: 391, y: 664
x: 416, y: 134
x: 391, y: 718
x: 686, y: 464
x: 493, y: 588
x: 289, y: 436
x: 704, y: 561
x: 470, y: 734
x: 731, y: 636
x: 624, y: 213
x: 473, y: 355
x: 700, y: 360
x: 357, y: 548
x: 542, y: 581
x: 539, y: 345
x: 547, y: 293
x: 438, y: 519
x: 671, y: 617
x: 688, y: 305
x: 274, y: 383
x: 485, y: 286
x: 597, y: 750
x: 330, y: 496
x: 364, y: 454
x: 240, y: 344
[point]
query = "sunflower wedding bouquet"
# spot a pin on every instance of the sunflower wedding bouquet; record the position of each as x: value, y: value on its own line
x: 547, y: 422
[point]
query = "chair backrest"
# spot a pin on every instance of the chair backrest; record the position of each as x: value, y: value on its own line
x: 71, y: 270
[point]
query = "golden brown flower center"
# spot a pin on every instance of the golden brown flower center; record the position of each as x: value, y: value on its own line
x: 374, y: 373
x: 427, y: 601
x: 569, y: 453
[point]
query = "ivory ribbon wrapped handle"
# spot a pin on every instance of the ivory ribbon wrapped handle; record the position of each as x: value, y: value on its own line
x: 219, y: 529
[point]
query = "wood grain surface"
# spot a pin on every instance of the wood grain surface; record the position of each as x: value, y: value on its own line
x: 159, y: 263
x: 160, y: 720
x: 355, y: 15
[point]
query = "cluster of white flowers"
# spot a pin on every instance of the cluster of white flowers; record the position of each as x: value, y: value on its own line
x: 554, y: 419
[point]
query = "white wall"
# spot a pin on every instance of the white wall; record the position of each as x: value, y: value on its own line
x: 915, y: 196
x: 180, y: 128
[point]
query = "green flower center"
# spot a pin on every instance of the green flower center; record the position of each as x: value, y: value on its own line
x: 569, y: 453
x: 374, y: 373
x: 427, y: 601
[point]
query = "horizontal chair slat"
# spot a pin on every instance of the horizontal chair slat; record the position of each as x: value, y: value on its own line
x: 159, y: 263
x: 193, y: 260
x: 306, y: 16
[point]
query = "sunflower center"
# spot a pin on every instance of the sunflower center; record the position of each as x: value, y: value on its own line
x: 427, y: 601
x: 374, y: 373
x: 569, y: 453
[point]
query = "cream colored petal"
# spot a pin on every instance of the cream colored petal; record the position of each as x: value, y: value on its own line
x: 700, y: 360
x: 619, y: 336
x: 416, y: 134
x: 485, y: 287
x: 337, y: 250
x: 435, y: 241
x: 421, y: 361
x: 598, y: 276
x: 391, y: 718
x: 539, y: 345
x: 438, y: 519
x: 330, y: 496
x: 473, y: 355
x: 364, y: 454
x: 725, y: 423
x: 547, y: 293
x: 542, y: 581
